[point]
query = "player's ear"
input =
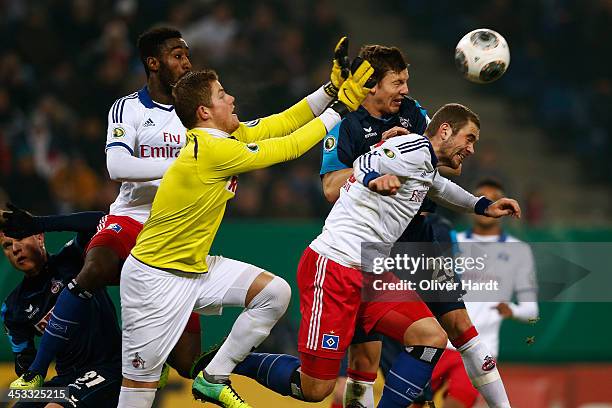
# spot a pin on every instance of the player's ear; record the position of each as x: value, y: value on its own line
x: 40, y: 239
x: 203, y: 113
x: 153, y: 64
x: 446, y: 131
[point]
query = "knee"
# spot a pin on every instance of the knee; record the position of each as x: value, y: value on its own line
x: 438, y: 339
x: 275, y: 297
x: 364, y: 363
x: 456, y: 322
x: 318, y: 391
x: 282, y: 293
x: 426, y: 334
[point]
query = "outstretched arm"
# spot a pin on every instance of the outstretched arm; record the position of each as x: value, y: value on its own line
x: 18, y: 223
x: 234, y: 157
x: 450, y: 195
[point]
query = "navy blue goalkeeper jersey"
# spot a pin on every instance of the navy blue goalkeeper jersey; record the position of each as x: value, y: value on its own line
x: 27, y: 310
x: 359, y: 131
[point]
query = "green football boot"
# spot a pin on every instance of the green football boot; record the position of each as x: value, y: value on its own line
x: 28, y: 380
x: 221, y: 394
x: 163, y: 378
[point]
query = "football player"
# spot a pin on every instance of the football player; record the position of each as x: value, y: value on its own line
x: 170, y: 269
x: 376, y: 205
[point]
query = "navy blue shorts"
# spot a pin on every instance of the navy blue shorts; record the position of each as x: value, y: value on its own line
x: 95, y: 387
x: 436, y: 230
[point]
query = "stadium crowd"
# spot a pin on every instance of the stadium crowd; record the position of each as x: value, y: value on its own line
x: 67, y: 61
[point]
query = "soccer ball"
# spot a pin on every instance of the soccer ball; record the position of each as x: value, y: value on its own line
x: 482, y: 56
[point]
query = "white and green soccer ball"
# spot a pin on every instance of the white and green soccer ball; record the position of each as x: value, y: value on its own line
x: 482, y: 56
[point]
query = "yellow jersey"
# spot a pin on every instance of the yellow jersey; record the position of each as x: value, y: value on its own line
x: 191, y: 199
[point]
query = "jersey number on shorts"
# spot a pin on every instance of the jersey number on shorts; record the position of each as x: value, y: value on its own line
x: 90, y: 379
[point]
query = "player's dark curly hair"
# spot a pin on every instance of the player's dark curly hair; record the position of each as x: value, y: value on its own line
x: 383, y: 60
x: 191, y: 91
x: 455, y: 114
x: 150, y: 42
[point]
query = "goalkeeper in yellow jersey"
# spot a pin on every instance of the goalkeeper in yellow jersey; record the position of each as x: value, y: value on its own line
x: 170, y: 272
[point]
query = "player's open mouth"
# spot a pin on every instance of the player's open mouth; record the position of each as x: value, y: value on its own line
x: 21, y: 259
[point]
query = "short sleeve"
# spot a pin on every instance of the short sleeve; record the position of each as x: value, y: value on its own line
x: 330, y: 161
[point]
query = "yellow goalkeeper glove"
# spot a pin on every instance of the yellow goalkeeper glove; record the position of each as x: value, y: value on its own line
x: 340, y: 68
x: 357, y: 86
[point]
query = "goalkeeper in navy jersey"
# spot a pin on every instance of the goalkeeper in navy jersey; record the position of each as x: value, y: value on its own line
x: 90, y: 364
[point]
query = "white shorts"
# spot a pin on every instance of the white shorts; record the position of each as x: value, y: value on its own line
x: 155, y: 307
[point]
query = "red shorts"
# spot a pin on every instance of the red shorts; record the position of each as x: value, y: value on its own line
x: 117, y: 232
x: 450, y: 370
x: 331, y: 306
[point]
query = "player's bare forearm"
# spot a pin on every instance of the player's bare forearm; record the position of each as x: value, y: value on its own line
x: 333, y: 181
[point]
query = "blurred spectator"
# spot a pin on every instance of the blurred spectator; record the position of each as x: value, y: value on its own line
x: 213, y: 34
x: 75, y: 186
x: 26, y: 188
x: 67, y: 61
x: 71, y: 59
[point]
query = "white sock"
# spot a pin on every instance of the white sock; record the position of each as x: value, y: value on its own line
x: 482, y: 370
x: 136, y: 397
x: 318, y: 101
x: 251, y: 328
x: 358, y: 394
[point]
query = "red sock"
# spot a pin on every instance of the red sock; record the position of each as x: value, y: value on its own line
x: 361, y: 375
x: 466, y: 336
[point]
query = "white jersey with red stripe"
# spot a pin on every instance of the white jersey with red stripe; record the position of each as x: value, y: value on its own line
x: 149, y: 131
x: 510, y: 263
x: 361, y: 215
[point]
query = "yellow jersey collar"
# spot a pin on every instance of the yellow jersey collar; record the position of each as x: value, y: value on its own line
x: 211, y: 131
